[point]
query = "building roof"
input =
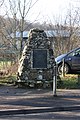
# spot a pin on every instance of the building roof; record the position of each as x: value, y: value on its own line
x: 18, y: 34
x: 50, y: 33
x: 55, y: 33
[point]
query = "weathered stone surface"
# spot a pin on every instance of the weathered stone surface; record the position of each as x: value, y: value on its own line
x: 37, y: 40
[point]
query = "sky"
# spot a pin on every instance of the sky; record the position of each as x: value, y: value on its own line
x: 49, y: 10
x: 52, y: 10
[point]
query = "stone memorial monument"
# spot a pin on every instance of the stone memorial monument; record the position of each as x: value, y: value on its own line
x: 36, y: 65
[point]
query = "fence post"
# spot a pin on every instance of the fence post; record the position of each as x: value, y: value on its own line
x: 79, y: 79
x: 63, y: 68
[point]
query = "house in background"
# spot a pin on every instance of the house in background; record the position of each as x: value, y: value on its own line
x: 18, y: 38
x: 63, y: 40
x: 51, y: 34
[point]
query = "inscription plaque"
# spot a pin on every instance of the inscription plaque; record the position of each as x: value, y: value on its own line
x: 39, y: 58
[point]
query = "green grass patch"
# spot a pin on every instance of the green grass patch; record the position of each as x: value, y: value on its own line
x: 69, y: 82
x: 4, y: 64
x: 7, y: 80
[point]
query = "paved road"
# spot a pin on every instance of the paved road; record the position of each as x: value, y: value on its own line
x: 12, y: 98
x: 16, y: 98
x: 70, y: 115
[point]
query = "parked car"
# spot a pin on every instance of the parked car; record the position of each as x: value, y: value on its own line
x: 71, y: 61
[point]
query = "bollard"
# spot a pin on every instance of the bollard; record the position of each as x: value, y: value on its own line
x: 55, y: 81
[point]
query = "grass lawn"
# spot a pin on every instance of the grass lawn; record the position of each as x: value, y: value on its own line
x: 7, y: 80
x: 69, y: 82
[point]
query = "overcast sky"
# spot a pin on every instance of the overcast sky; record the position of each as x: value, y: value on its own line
x: 46, y: 10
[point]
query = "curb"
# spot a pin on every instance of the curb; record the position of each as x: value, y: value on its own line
x: 42, y: 110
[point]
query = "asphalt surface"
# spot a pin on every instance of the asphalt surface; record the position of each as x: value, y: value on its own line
x: 17, y: 101
x: 69, y: 115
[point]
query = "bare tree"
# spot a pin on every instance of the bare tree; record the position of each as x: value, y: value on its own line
x: 18, y: 10
x: 66, y: 34
x: 1, y: 2
x: 72, y: 24
x: 24, y: 9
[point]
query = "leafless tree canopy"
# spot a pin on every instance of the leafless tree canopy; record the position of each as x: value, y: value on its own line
x: 1, y: 2
x: 16, y: 20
